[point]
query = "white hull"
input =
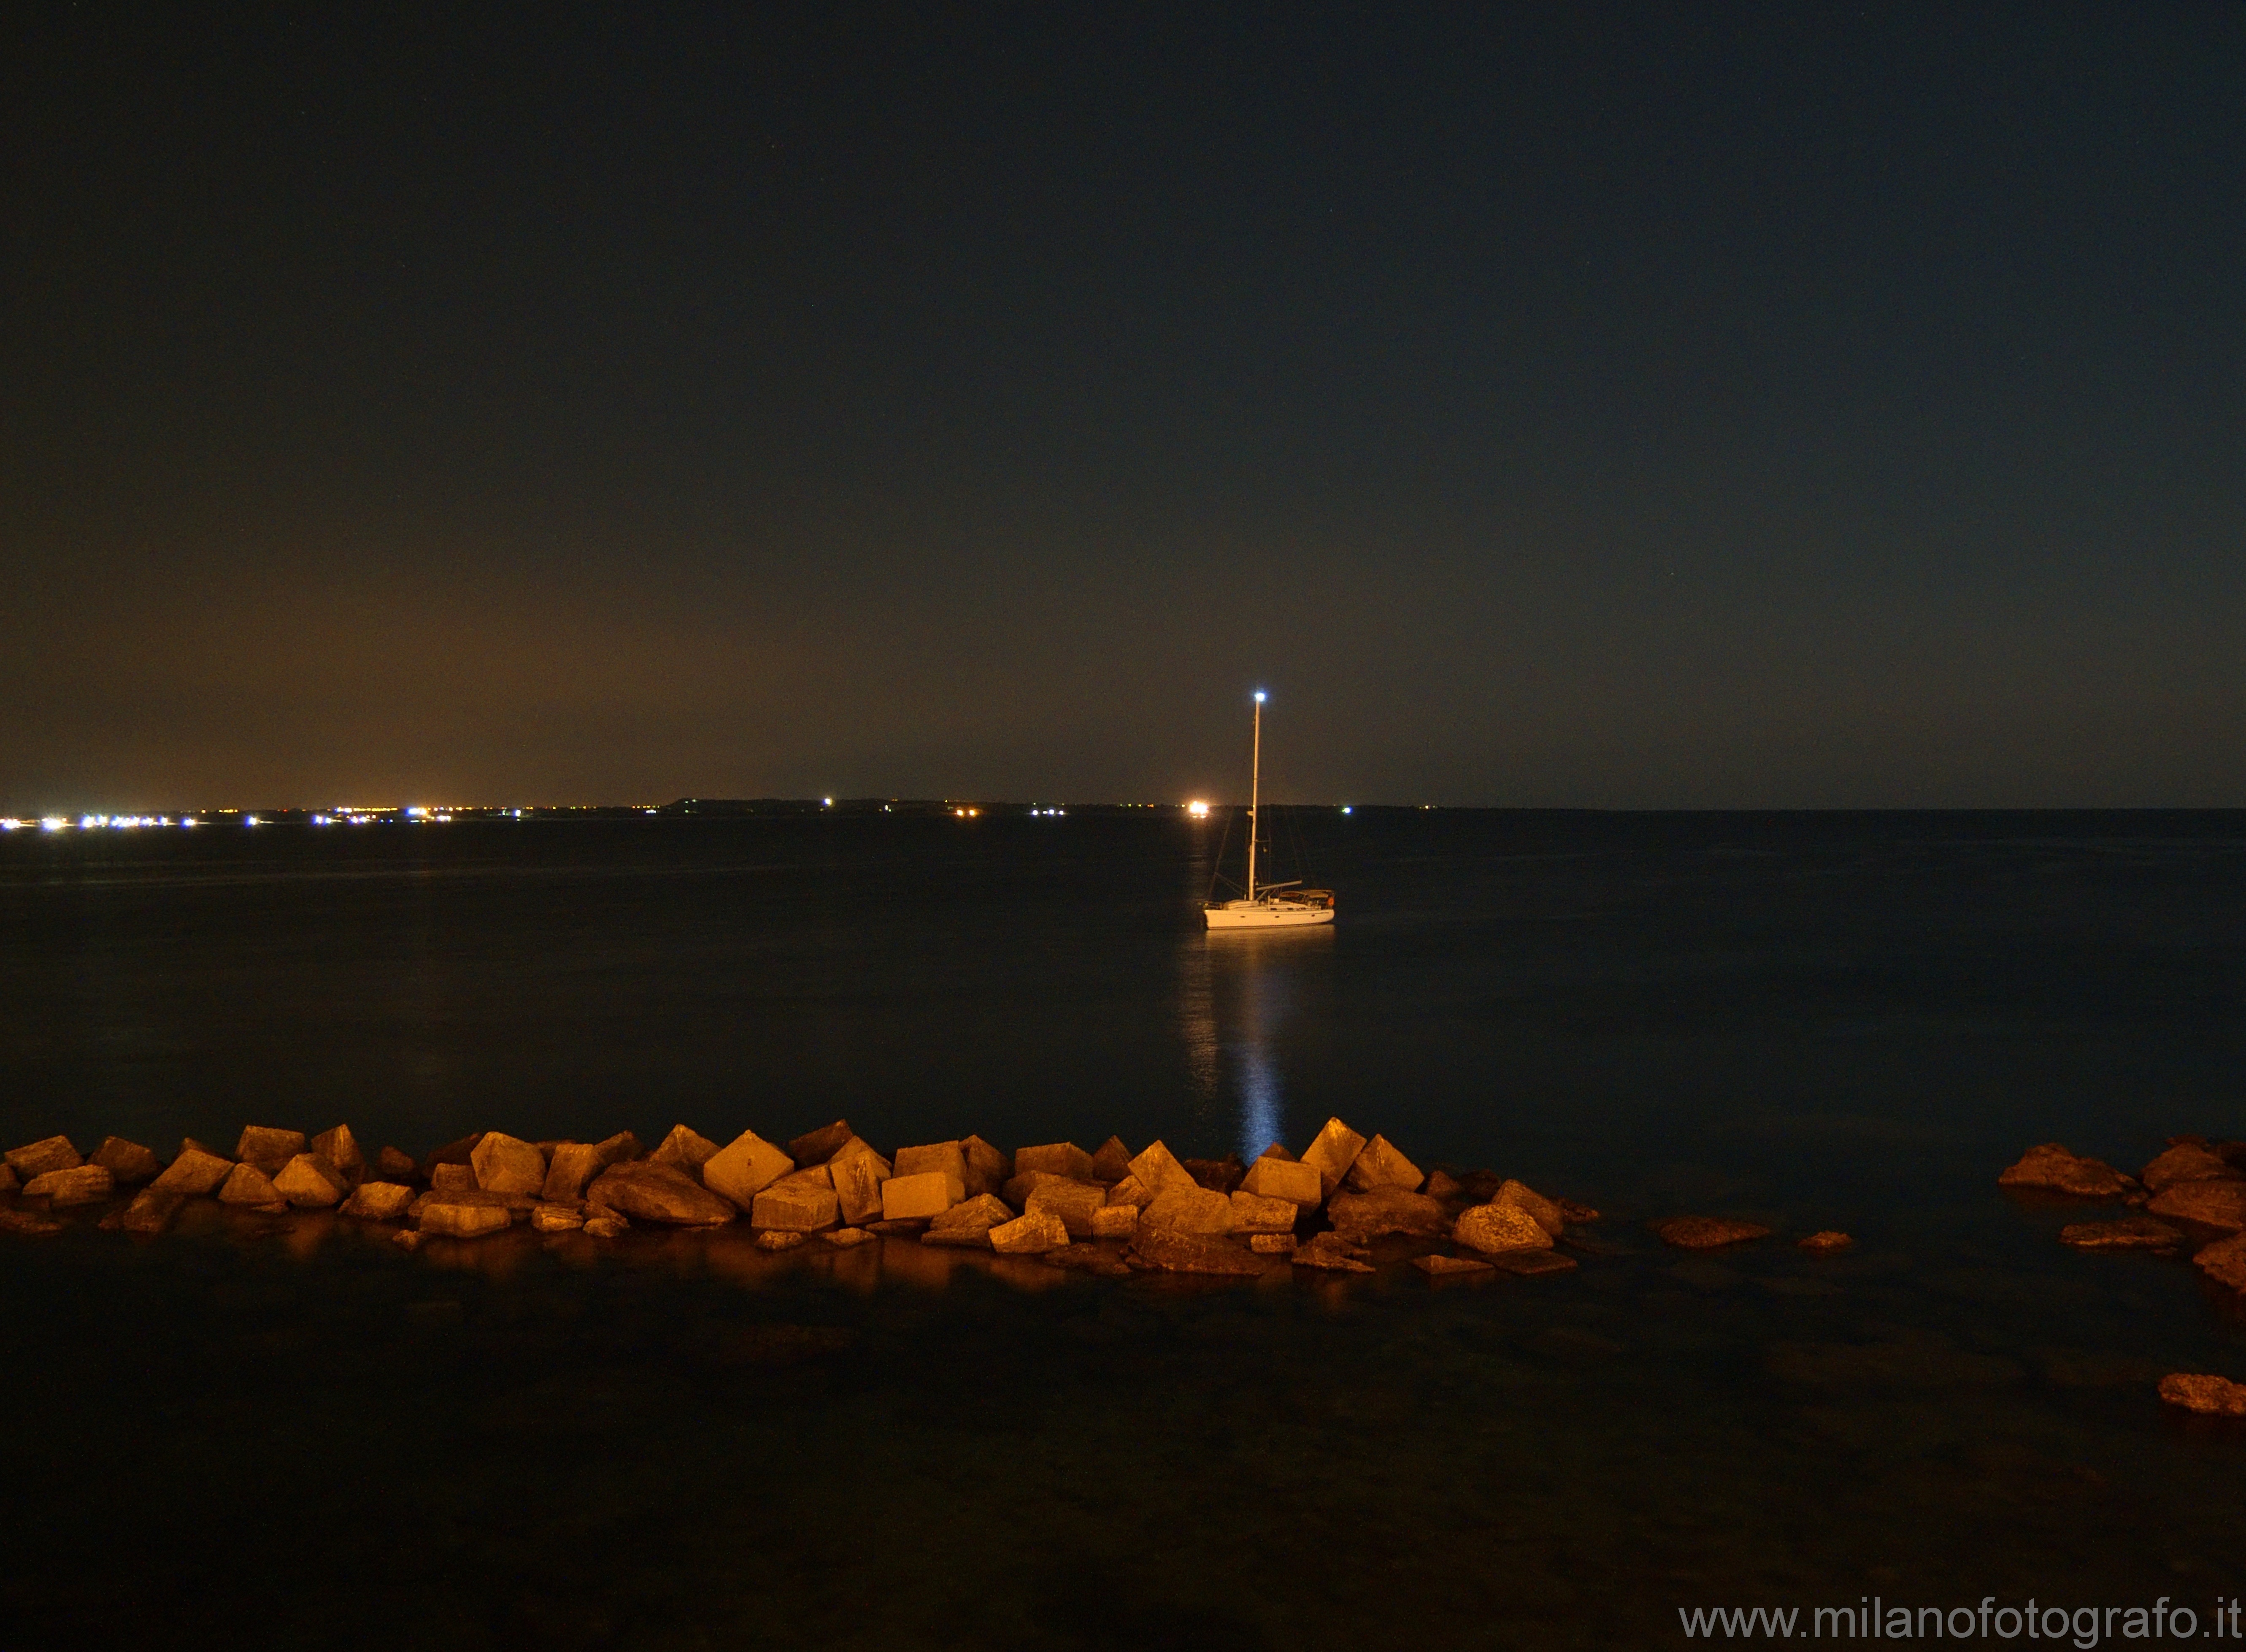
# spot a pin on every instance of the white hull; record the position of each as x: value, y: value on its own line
x: 1265, y: 915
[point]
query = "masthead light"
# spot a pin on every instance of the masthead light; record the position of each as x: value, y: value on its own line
x: 1259, y: 697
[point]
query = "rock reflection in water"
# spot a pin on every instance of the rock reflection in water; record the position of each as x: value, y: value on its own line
x: 1242, y: 996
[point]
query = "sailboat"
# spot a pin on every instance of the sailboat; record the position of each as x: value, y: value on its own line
x: 1273, y: 905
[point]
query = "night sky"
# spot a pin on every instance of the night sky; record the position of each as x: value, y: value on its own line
x: 1699, y: 405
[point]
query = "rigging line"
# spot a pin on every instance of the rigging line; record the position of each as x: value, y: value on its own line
x: 1216, y: 866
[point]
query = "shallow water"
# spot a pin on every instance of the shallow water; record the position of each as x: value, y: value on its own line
x: 284, y: 1426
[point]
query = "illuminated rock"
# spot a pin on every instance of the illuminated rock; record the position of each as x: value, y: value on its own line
x: 36, y: 1159
x: 1111, y: 1161
x: 393, y: 1165
x: 1441, y: 1184
x: 1522, y: 1196
x: 310, y: 1182
x: 25, y: 1225
x: 1104, y: 1260
x: 1272, y: 1244
x: 81, y: 1184
x: 1157, y: 1170
x: 1333, y: 1152
x: 1332, y: 1253
x: 1826, y: 1242
x: 780, y: 1237
x: 268, y: 1148
x: 1130, y: 1190
x: 817, y: 1146
x: 1061, y: 1158
x: 1381, y: 1163
x: 1073, y: 1204
x: 340, y: 1148
x: 128, y: 1161
x: 2055, y: 1170
x: 1115, y: 1221
x: 151, y: 1211
x: 1254, y: 1214
x: 2224, y: 1262
x: 1299, y: 1184
x: 744, y: 1167
x: 1358, y: 1217
x: 462, y: 1220
x: 1439, y: 1267
x: 505, y: 1164
x: 2187, y: 1161
x: 858, y: 1177
x: 2131, y: 1233
x: 1031, y: 1234
x: 2209, y: 1396
x: 1707, y: 1233
x: 1189, y: 1209
x: 1489, y: 1229
x: 2211, y: 1204
x: 247, y: 1185
x: 648, y: 1192
x: 979, y: 1214
x: 946, y: 1159
x: 572, y: 1165
x: 927, y: 1192
x: 688, y: 1150
x: 1170, y: 1250
x: 987, y: 1169
x: 1279, y: 1151
x: 452, y: 1179
x: 846, y: 1238
x: 1018, y: 1187
x: 606, y: 1226
x: 381, y: 1201
x: 802, y: 1203
x: 196, y: 1171
x: 557, y: 1219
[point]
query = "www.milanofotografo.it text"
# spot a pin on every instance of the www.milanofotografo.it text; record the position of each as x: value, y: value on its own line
x: 1872, y: 1619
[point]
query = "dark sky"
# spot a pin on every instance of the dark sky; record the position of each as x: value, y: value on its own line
x: 1615, y: 405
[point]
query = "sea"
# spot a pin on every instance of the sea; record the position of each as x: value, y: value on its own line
x: 289, y: 1431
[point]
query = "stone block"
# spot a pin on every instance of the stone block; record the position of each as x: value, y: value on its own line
x: 858, y: 1177
x: 1522, y: 1196
x: 1072, y: 1203
x: 195, y: 1172
x: 310, y: 1182
x: 1018, y: 1187
x: 1189, y: 1209
x: 1272, y: 1244
x: 1111, y: 1161
x: 944, y: 1158
x: 1333, y: 1152
x: 36, y: 1158
x: 1299, y: 1184
x: 1254, y: 1214
x: 79, y: 1185
x: 648, y: 1192
x: 340, y: 1148
x: 1171, y: 1251
x: 817, y: 1146
x: 1440, y: 1267
x: 802, y: 1203
x: 1033, y: 1233
x: 128, y: 1162
x: 1359, y: 1217
x: 744, y: 1167
x: 151, y: 1211
x: 987, y: 1167
x: 1158, y: 1170
x: 1115, y: 1221
x: 1061, y: 1158
x: 1279, y: 1151
x: 1492, y: 1228
x: 927, y: 1192
x: 572, y: 1165
x: 392, y: 1164
x: 1218, y: 1175
x: 2053, y: 1168
x: 1132, y: 1192
x: 247, y: 1185
x: 380, y: 1202
x: 982, y: 1213
x: 1378, y: 1164
x: 687, y: 1150
x: 268, y: 1148
x: 456, y: 1220
x: 1707, y: 1233
x: 2211, y: 1204
x: 454, y: 1179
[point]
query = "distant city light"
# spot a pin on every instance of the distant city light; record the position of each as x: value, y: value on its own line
x: 54, y: 823
x: 10, y: 824
x: 187, y: 820
x: 1197, y: 808
x: 827, y: 803
x: 1345, y: 808
x: 252, y: 820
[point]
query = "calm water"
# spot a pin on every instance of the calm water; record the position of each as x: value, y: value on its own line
x: 282, y: 1428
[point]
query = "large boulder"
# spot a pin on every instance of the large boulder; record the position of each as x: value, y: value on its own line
x: 2187, y: 1161
x: 195, y: 1172
x: 2211, y: 1204
x: 128, y: 1162
x: 2211, y: 1395
x: 505, y: 1164
x: 1333, y: 1152
x: 858, y: 1177
x: 381, y: 1201
x: 1523, y: 1197
x: 1076, y: 1205
x: 1190, y: 1209
x: 1299, y: 1184
x: 817, y: 1146
x: 1170, y: 1251
x: 340, y: 1148
x: 1707, y: 1233
x: 2053, y: 1169
x: 268, y: 1148
x: 688, y: 1150
x: 1158, y: 1170
x: 1492, y: 1228
x: 744, y: 1167
x: 1253, y: 1213
x: 927, y: 1192
x: 247, y: 1185
x: 648, y: 1192
x: 310, y: 1182
x: 2224, y: 1262
x: 462, y: 1220
x: 802, y: 1203
x: 1381, y: 1163
x: 79, y: 1185
x: 1031, y: 1235
x: 1359, y: 1217
x: 1063, y: 1158
x: 36, y: 1158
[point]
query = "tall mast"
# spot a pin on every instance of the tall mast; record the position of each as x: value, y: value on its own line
x: 1255, y: 791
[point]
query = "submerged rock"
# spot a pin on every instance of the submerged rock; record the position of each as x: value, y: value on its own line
x: 1088, y: 1259
x: 2188, y: 1161
x: 1707, y: 1233
x: 195, y: 1172
x: 1574, y: 1213
x: 128, y: 1162
x: 845, y: 1238
x: 310, y: 1182
x: 1830, y: 1240
x: 1492, y: 1228
x: 2211, y: 1395
x: 36, y: 1158
x: 81, y: 1184
x: 1165, y: 1250
x: 1031, y: 1234
x: 607, y: 1226
x: 2131, y: 1233
x: 1379, y: 1164
x: 742, y: 1168
x: 2053, y: 1168
x: 505, y: 1164
x: 1440, y: 1266
x: 2211, y: 1204
x: 1358, y: 1217
x: 780, y: 1238
x: 1532, y: 1262
x: 648, y: 1192
x: 557, y: 1219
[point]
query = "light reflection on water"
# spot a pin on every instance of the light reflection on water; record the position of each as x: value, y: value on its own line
x: 1242, y: 998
